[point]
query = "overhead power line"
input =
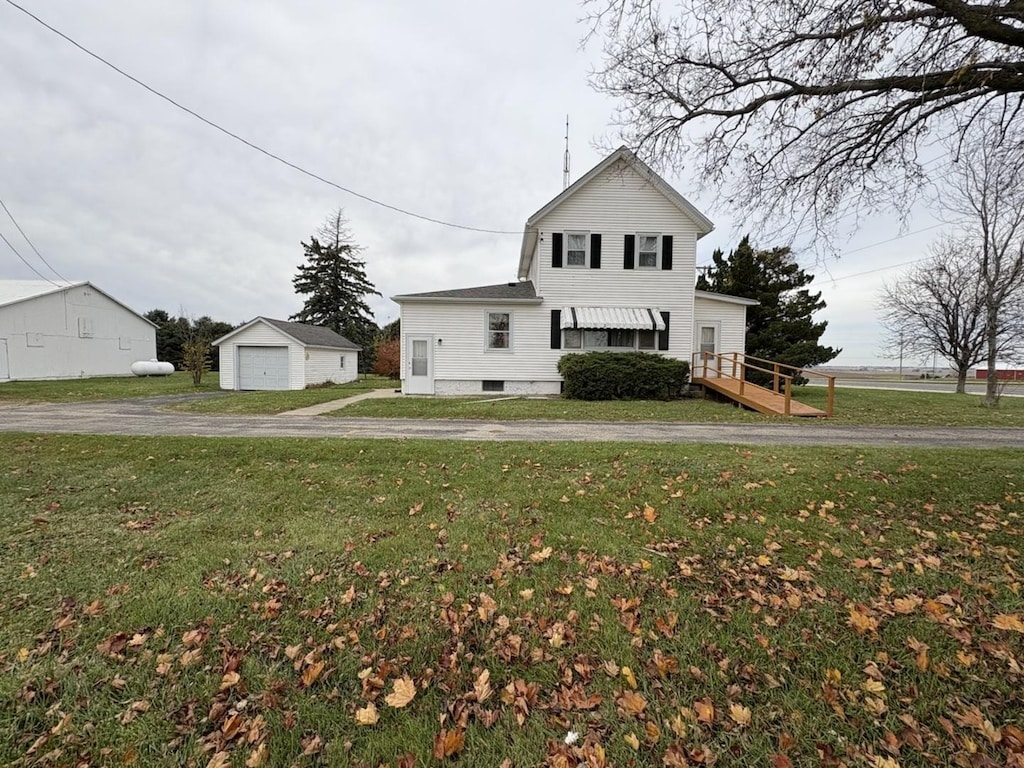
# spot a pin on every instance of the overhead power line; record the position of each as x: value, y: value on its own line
x: 258, y: 148
x: 27, y: 264
x: 31, y: 244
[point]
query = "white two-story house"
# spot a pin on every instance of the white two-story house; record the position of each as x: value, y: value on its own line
x: 609, y: 264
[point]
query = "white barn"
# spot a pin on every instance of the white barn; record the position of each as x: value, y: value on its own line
x: 64, y: 330
x: 278, y: 354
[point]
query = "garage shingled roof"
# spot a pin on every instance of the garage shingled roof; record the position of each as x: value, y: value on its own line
x: 307, y: 335
x: 311, y: 335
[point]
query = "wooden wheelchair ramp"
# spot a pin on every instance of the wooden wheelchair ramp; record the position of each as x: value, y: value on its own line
x: 758, y: 398
x: 726, y: 375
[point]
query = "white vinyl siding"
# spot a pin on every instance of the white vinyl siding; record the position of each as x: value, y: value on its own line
x: 44, y: 341
x: 325, y: 364
x: 615, y: 204
x: 731, y: 320
x: 459, y: 348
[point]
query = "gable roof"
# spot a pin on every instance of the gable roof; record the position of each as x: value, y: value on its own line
x: 301, y: 333
x: 703, y: 223
x: 522, y: 292
x: 15, y: 291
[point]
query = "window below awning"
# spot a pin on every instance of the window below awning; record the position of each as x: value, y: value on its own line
x: 639, y: 318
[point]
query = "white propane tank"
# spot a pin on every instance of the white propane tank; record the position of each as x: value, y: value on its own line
x: 152, y: 368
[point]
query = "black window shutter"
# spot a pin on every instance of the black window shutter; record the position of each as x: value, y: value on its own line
x: 556, y: 249
x: 666, y: 252
x: 663, y: 336
x: 595, y: 251
x: 628, y: 254
x: 556, y: 329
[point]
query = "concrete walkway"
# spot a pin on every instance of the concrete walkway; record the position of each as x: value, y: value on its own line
x: 335, y: 405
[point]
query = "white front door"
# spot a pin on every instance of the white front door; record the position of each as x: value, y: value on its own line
x: 419, y: 365
x: 707, y: 346
x: 5, y: 368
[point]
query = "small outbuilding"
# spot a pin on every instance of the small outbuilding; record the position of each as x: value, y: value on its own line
x: 68, y: 330
x: 278, y: 354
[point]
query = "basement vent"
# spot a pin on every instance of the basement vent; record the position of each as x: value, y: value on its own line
x: 493, y: 386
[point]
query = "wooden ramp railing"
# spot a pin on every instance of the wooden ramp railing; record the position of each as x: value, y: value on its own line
x: 727, y: 374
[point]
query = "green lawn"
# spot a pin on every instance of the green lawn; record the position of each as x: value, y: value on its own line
x: 183, y: 601
x: 113, y: 388
x: 852, y: 406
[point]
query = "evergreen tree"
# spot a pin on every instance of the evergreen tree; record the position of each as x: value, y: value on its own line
x: 333, y: 280
x: 781, y: 327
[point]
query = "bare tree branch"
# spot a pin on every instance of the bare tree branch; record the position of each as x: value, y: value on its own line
x: 806, y: 105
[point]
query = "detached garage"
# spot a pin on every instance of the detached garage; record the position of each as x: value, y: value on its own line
x: 277, y: 354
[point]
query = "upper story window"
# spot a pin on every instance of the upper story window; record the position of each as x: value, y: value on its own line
x: 648, y: 251
x: 499, y: 330
x: 576, y: 249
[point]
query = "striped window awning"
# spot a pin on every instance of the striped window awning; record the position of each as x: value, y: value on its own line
x: 639, y: 318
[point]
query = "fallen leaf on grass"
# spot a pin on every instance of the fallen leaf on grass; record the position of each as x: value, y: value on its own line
x: 739, y: 714
x: 541, y: 556
x: 632, y: 740
x: 628, y: 676
x: 404, y: 691
x: 312, y: 745
x: 258, y: 757
x: 1009, y: 621
x: 448, y: 743
x: 861, y: 622
x: 705, y: 710
x: 632, y: 703
x: 312, y: 673
x: 367, y: 715
x: 482, y: 686
x: 906, y: 605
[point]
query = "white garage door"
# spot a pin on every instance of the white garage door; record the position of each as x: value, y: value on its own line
x: 263, y: 367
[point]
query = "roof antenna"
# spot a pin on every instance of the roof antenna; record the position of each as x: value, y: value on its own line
x: 565, y: 163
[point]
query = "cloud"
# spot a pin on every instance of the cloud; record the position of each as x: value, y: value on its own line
x: 455, y: 111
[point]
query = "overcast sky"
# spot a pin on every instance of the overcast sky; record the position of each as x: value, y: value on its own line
x: 454, y: 110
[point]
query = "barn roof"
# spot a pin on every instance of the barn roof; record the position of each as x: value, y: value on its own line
x: 15, y: 291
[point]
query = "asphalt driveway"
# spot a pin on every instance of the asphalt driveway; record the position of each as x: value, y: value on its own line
x: 145, y: 417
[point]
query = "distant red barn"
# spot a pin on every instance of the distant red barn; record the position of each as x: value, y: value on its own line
x: 1006, y: 374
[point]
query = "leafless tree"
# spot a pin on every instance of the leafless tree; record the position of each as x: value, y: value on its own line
x: 986, y: 194
x: 803, y: 106
x: 939, y: 306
